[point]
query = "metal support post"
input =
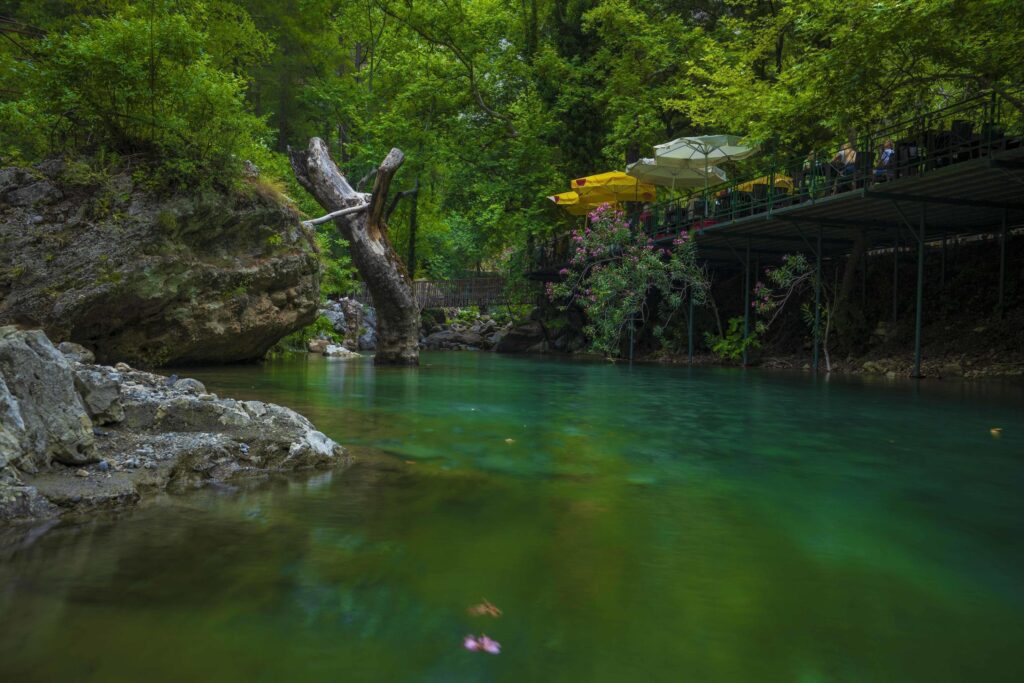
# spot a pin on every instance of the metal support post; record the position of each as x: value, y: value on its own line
x: 689, y: 332
x: 1002, y: 266
x: 919, y: 313
x: 817, y: 303
x: 896, y: 276
x: 942, y: 269
x: 864, y: 281
x: 746, y: 302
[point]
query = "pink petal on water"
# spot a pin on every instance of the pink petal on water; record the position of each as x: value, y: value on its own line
x: 490, y: 646
x: 470, y: 643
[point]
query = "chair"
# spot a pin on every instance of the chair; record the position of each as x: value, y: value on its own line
x: 760, y: 197
x: 962, y: 139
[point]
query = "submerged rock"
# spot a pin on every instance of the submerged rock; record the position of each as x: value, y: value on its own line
x: 156, y: 435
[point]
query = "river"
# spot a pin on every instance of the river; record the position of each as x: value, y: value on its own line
x: 637, y: 523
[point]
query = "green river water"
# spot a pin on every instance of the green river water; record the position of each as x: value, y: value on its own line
x: 633, y: 524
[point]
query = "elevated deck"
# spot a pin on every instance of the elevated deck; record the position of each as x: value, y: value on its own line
x: 975, y: 196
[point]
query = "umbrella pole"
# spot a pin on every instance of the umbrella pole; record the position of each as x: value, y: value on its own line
x: 705, y: 186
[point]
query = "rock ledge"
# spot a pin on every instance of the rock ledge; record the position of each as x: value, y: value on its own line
x: 76, y: 436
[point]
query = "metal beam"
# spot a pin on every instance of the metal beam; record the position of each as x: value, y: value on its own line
x: 906, y: 221
x: 815, y: 252
x: 1008, y: 163
x: 919, y: 313
x: 838, y: 222
x: 795, y: 240
x: 1002, y: 265
x: 931, y: 199
x: 896, y: 277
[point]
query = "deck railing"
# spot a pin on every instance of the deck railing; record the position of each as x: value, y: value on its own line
x: 970, y: 129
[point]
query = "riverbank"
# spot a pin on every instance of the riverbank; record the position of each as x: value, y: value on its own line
x: 77, y: 437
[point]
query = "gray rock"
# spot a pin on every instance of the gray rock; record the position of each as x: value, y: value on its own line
x: 56, y: 425
x: 11, y: 178
x: 38, y: 192
x: 170, y: 438
x: 528, y: 337
x: 317, y: 345
x: 76, y: 352
x: 337, y: 317
x: 336, y: 351
x: 452, y: 340
x: 100, y: 394
x: 153, y: 280
x: 189, y: 385
x: 368, y: 339
x: 951, y: 370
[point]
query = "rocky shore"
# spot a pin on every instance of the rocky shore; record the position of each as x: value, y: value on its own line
x: 76, y: 436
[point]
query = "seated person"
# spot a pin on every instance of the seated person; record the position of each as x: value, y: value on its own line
x: 884, y: 169
x: 646, y: 218
x: 845, y: 160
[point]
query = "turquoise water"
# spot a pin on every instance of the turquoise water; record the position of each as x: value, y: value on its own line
x: 645, y: 523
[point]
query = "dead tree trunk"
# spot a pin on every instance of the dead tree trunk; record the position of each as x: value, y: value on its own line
x: 362, y: 225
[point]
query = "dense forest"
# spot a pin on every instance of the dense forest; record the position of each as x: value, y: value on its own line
x: 496, y: 104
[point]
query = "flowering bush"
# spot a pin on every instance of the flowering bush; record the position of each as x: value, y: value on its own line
x: 613, y: 270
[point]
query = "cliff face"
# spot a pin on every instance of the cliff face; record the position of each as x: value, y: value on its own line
x: 97, y: 260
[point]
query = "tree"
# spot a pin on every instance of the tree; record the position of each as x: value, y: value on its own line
x: 360, y: 219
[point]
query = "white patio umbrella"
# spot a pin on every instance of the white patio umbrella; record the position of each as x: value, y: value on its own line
x: 702, y: 151
x: 674, y: 176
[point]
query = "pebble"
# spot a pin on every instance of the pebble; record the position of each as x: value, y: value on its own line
x: 104, y: 466
x: 82, y: 473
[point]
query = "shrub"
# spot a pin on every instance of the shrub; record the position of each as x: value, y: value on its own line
x: 614, y: 270
x: 138, y: 85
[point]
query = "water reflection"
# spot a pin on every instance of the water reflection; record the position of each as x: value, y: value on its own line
x: 670, y: 524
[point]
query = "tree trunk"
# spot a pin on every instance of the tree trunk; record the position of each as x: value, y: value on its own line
x: 398, y: 324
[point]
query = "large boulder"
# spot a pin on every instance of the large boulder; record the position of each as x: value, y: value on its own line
x: 452, y: 340
x: 157, y: 433
x: 39, y: 407
x: 528, y: 336
x: 147, y: 279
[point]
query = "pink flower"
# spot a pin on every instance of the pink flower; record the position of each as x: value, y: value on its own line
x: 563, y: 271
x: 471, y: 643
x: 489, y: 646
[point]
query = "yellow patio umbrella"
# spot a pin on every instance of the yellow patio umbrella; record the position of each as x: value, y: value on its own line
x: 581, y: 206
x: 783, y: 181
x: 614, y: 184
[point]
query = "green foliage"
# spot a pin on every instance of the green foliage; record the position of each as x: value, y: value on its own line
x: 613, y: 273
x: 339, y: 275
x: 462, y: 316
x: 734, y: 343
x: 321, y: 328
x: 496, y: 104
x: 140, y: 82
